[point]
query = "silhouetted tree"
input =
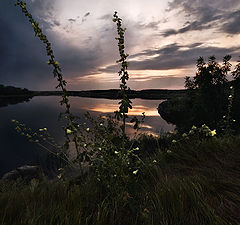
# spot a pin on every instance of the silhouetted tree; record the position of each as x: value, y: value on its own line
x: 209, y: 75
x: 236, y: 71
x: 235, y: 111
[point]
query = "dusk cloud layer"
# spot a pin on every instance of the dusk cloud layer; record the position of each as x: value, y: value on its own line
x: 164, y: 40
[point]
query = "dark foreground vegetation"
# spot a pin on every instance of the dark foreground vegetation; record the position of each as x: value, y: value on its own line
x: 193, y: 181
x: 211, y: 98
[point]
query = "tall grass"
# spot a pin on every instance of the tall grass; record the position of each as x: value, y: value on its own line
x: 193, y: 183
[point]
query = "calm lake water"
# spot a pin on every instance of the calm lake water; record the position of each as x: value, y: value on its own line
x: 43, y: 111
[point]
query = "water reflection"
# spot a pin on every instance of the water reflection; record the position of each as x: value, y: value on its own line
x: 41, y: 112
x: 153, y: 123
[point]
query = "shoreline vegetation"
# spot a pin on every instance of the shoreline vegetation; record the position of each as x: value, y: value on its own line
x: 10, y: 92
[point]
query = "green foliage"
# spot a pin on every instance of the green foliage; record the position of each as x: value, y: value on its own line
x: 210, y: 75
x: 210, y: 100
x: 193, y: 183
x: 236, y: 72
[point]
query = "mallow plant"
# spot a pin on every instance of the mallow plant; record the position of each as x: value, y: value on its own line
x: 102, y: 148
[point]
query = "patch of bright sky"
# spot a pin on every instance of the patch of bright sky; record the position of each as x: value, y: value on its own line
x: 134, y: 12
x: 135, y: 75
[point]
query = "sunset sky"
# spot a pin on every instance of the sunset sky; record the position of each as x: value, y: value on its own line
x: 163, y: 38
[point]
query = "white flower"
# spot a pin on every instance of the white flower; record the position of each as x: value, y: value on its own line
x: 116, y: 152
x: 88, y: 129
x: 230, y: 96
x: 136, y: 149
x: 169, y: 151
x: 191, y: 132
x: 231, y: 87
x: 85, y: 145
x: 135, y: 172
x: 174, y: 141
x: 194, y: 127
x: 154, y: 161
x: 101, y: 124
x: 204, y: 126
x: 213, y: 133
x: 100, y: 149
x: 43, y: 129
x: 68, y: 131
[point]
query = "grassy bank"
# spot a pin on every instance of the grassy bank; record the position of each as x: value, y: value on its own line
x: 194, y: 181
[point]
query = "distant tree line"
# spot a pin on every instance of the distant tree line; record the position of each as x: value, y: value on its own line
x: 10, y: 90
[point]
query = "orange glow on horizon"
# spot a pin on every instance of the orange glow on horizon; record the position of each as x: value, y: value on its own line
x: 136, y: 111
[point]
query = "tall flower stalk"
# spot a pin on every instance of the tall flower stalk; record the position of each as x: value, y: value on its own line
x: 125, y: 102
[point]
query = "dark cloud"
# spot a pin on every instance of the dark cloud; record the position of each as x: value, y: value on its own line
x: 152, y: 25
x: 57, y: 23
x: 106, y: 17
x: 84, y: 18
x: 72, y: 20
x: 44, y: 11
x: 233, y: 24
x: 87, y: 14
x: 207, y: 14
x: 23, y: 57
x: 175, y: 56
x: 196, y: 25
